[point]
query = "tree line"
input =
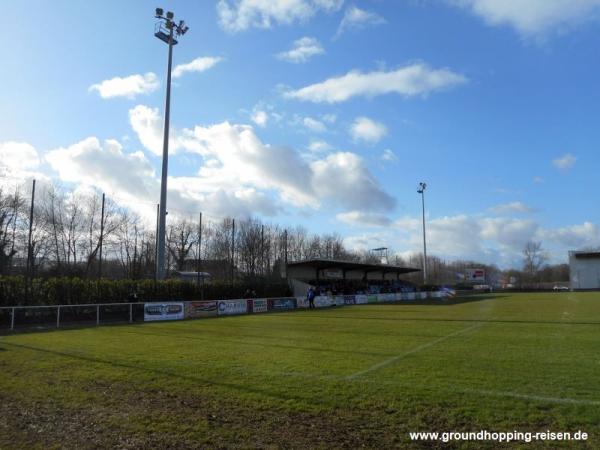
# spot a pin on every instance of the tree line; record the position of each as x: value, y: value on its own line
x: 87, y: 235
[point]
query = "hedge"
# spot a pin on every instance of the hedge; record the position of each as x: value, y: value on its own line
x: 73, y: 291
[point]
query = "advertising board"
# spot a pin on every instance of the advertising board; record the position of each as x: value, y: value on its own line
x: 301, y: 302
x: 361, y: 299
x: 322, y: 301
x: 372, y: 298
x: 349, y: 299
x: 279, y: 304
x: 259, y: 305
x: 163, y: 311
x: 231, y: 307
x: 201, y: 309
x: 410, y: 295
x: 475, y: 275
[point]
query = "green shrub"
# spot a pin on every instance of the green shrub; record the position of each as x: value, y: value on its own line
x: 73, y: 291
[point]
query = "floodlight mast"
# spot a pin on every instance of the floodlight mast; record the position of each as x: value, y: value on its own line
x: 421, y: 190
x: 164, y: 31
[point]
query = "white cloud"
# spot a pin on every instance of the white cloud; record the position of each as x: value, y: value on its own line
x: 239, y: 15
x: 302, y: 50
x: 512, y: 207
x: 314, y: 125
x: 388, y: 155
x: 343, y: 178
x: 105, y: 166
x: 367, y: 130
x: 538, y: 179
x: 18, y: 156
x: 364, y: 219
x: 409, y: 81
x: 127, y: 87
x: 259, y: 117
x: 565, y: 162
x: 319, y: 146
x: 573, y: 237
x: 532, y: 17
x: 356, y: 18
x: 197, y: 65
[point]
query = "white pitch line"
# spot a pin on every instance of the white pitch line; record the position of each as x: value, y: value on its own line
x: 393, y: 359
x: 541, y: 398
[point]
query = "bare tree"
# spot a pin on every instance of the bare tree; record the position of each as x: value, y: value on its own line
x: 533, y: 258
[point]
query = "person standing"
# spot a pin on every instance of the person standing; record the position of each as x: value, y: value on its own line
x: 310, y: 295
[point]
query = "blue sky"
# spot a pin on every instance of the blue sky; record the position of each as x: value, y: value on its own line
x: 322, y: 113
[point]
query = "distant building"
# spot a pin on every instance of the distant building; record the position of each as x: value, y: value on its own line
x: 584, y: 268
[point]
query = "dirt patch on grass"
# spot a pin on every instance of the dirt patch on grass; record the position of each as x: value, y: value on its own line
x: 167, y: 420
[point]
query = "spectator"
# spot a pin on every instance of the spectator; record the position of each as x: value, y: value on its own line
x: 310, y: 295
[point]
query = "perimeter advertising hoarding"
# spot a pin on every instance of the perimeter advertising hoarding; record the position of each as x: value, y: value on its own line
x: 202, y: 309
x: 338, y: 300
x: 163, y: 311
x: 423, y: 295
x: 381, y: 297
x: 231, y: 307
x: 283, y: 303
x: 390, y: 297
x: 372, y: 298
x: 301, y: 302
x: 259, y: 305
x: 411, y: 295
x: 361, y: 299
x: 322, y: 301
x: 349, y: 299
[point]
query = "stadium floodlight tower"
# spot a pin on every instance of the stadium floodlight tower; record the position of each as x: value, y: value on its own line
x: 166, y: 29
x: 421, y: 190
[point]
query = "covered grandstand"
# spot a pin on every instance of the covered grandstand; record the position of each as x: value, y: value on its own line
x: 346, y: 277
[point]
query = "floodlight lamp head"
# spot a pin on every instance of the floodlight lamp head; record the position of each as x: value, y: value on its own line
x: 159, y: 12
x: 170, y: 15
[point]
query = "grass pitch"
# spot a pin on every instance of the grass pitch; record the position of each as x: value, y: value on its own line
x: 360, y: 376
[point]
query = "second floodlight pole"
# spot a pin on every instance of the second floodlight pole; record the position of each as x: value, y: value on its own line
x: 162, y: 222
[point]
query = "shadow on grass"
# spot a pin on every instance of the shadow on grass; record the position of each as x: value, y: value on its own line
x: 169, y: 375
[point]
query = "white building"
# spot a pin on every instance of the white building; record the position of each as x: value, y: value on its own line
x: 584, y: 267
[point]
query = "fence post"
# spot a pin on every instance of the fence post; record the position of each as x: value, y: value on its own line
x: 57, y: 316
x: 12, y: 319
x: 131, y: 313
x: 97, y: 315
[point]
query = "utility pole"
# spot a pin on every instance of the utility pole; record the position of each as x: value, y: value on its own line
x: 285, y: 253
x: 156, y: 243
x: 199, y: 248
x: 232, y: 248
x: 29, y: 249
x: 262, y: 249
x: 421, y: 190
x: 101, y: 239
x: 164, y: 30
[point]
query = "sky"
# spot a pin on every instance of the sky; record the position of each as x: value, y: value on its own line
x: 321, y: 113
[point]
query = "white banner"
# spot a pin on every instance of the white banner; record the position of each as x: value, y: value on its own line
x: 230, y: 307
x: 163, y: 311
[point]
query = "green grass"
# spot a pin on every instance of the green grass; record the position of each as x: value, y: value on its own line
x: 336, y: 378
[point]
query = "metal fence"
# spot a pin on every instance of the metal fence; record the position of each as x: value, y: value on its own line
x: 55, y: 316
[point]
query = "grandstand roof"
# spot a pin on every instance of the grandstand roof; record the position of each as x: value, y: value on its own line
x: 324, y: 264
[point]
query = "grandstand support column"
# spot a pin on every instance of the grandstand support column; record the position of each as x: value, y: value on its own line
x: 232, y: 249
